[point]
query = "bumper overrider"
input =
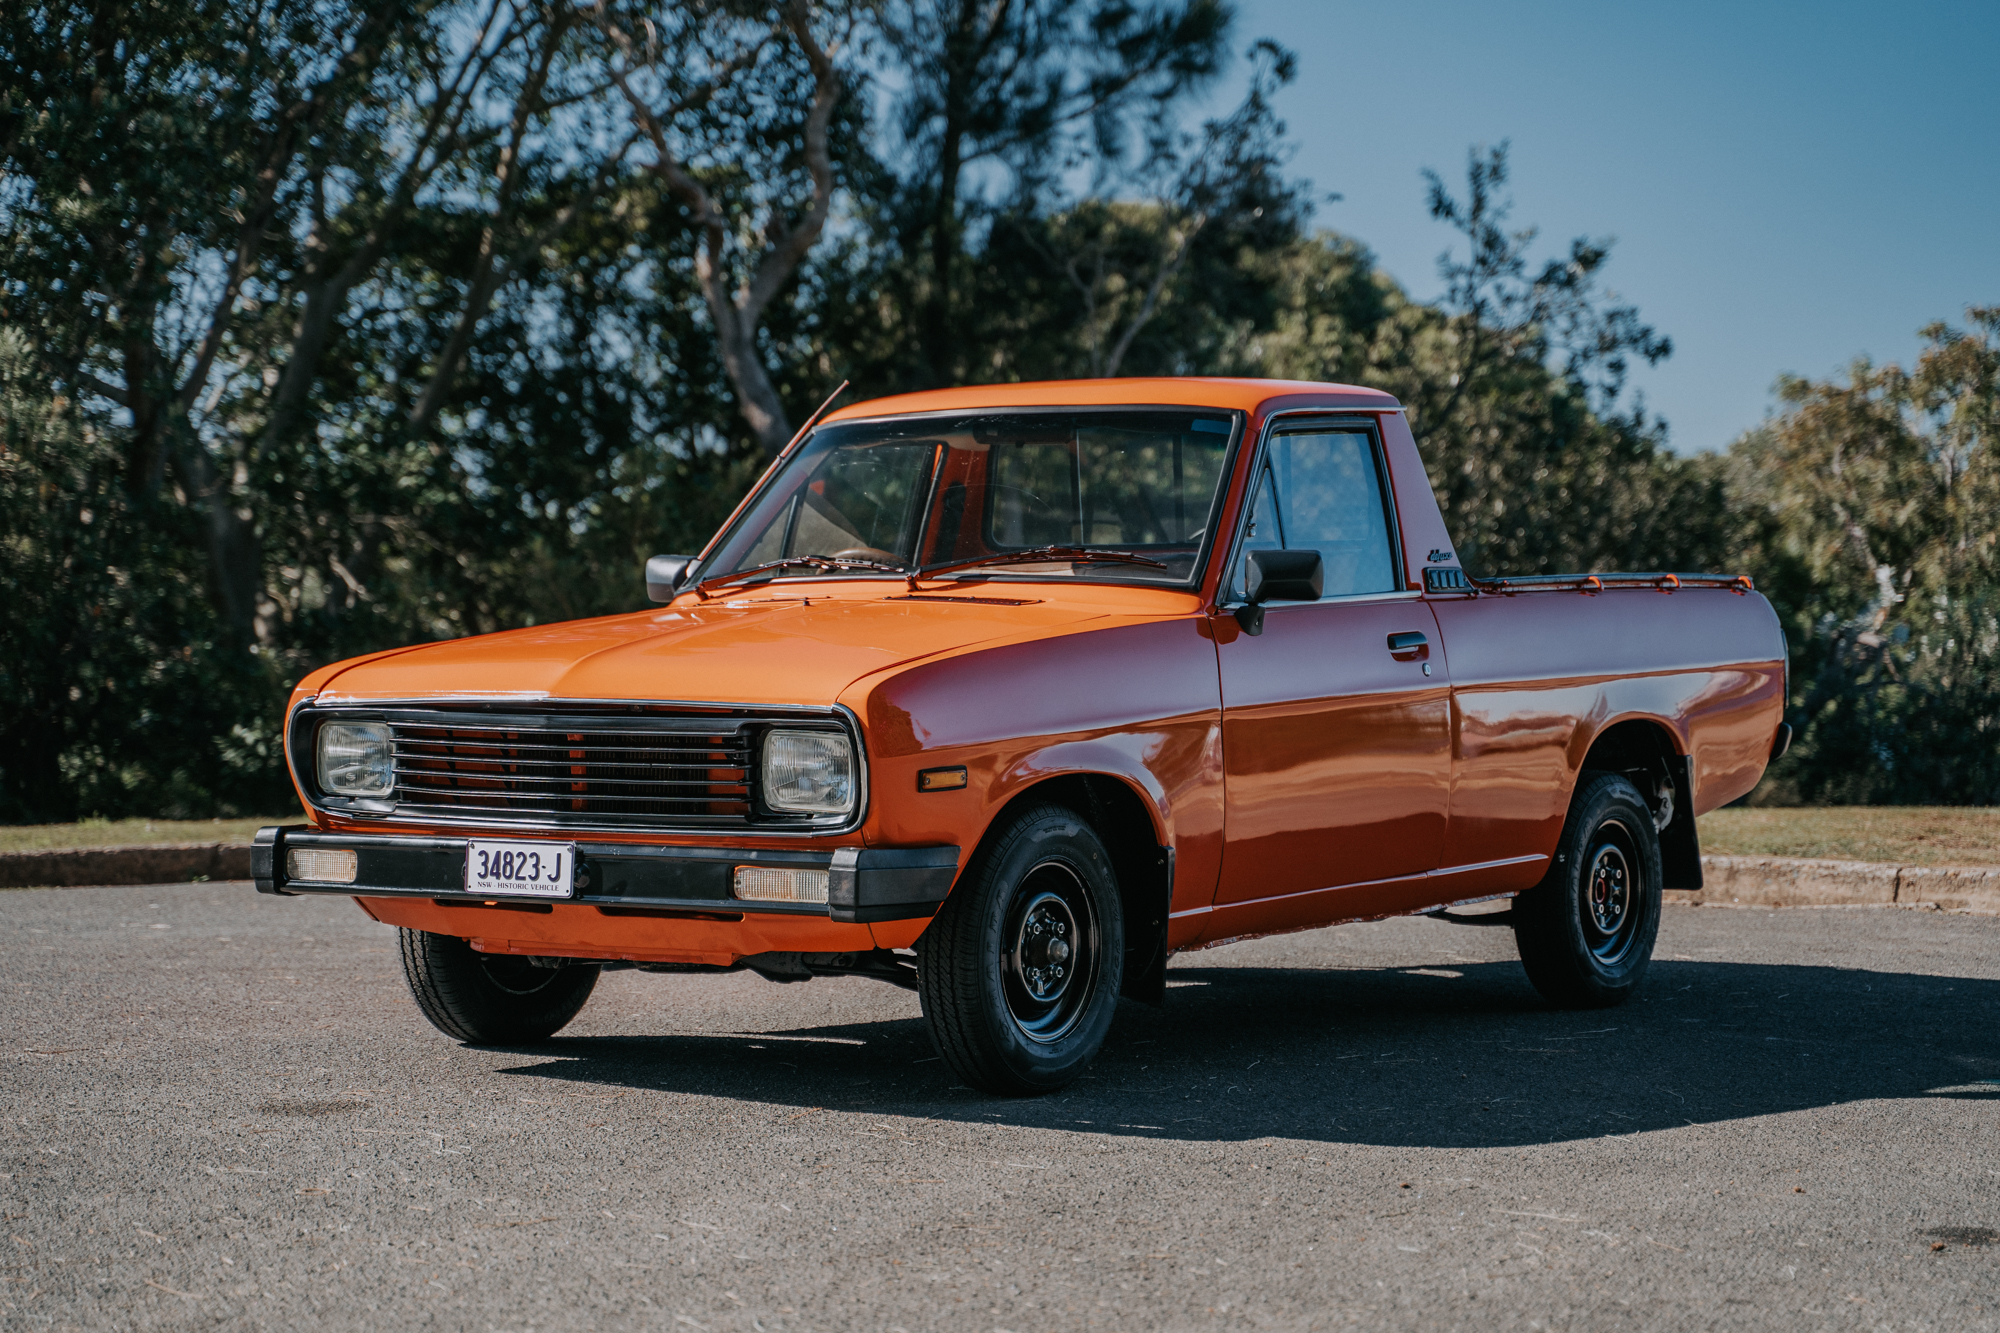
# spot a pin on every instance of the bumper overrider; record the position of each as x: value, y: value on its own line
x: 864, y: 884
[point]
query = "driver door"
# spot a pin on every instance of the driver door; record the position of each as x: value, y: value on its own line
x: 1336, y: 746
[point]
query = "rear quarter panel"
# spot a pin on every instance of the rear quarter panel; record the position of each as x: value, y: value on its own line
x: 1536, y: 677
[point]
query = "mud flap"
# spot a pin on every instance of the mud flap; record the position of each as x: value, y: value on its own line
x: 1146, y: 907
x: 1680, y: 851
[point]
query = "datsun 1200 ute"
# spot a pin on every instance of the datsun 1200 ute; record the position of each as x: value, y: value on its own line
x: 1007, y: 694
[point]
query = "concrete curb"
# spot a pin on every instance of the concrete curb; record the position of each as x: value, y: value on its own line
x: 173, y: 863
x: 1730, y: 881
x: 1780, y: 881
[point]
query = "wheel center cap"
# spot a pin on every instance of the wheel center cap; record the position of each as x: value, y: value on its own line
x: 1607, y: 896
x: 1044, y: 951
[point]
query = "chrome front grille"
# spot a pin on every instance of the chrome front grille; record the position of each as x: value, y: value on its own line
x: 662, y: 771
x: 596, y: 764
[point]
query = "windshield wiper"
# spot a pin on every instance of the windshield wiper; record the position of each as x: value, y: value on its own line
x: 1037, y: 555
x: 774, y: 568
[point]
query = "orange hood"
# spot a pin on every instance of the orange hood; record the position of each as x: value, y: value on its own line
x: 751, y: 651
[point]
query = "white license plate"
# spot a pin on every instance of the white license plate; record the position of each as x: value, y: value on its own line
x: 520, y: 869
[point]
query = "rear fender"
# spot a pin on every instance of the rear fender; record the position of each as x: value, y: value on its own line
x: 1651, y: 751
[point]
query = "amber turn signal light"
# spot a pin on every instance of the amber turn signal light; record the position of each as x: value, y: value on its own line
x: 941, y: 779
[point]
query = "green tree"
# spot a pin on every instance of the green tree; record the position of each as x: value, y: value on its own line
x: 997, y: 100
x: 1512, y: 385
x: 1146, y: 274
x: 114, y: 692
x: 1875, y: 502
x: 718, y: 99
x: 277, y: 258
x: 328, y: 326
x: 197, y: 196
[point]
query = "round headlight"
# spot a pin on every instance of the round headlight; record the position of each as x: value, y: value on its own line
x: 809, y: 772
x: 356, y: 759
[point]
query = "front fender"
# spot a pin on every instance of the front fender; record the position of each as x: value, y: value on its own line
x: 1137, y: 702
x: 1118, y: 755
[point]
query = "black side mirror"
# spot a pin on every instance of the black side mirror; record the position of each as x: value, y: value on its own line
x: 1289, y: 576
x: 665, y: 574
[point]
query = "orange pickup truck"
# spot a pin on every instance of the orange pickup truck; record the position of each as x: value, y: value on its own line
x: 1007, y: 694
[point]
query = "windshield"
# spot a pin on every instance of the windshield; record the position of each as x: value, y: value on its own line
x: 918, y: 493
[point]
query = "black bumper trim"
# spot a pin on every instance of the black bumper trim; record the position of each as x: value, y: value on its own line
x: 267, y: 857
x: 865, y: 884
x: 890, y: 883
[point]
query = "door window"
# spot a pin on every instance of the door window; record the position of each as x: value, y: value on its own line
x: 1322, y: 490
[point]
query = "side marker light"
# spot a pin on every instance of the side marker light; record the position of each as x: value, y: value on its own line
x: 941, y: 779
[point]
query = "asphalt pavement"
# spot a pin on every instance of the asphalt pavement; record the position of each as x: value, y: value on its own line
x: 223, y: 1111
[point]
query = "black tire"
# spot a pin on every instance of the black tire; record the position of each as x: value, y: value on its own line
x: 1020, y: 970
x: 490, y: 999
x: 1586, y: 931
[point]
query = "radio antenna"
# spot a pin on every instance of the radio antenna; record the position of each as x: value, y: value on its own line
x: 813, y: 420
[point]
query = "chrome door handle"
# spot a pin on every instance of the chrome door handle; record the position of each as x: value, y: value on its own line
x: 1409, y: 646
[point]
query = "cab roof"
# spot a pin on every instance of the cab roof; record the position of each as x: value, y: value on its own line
x: 1244, y: 395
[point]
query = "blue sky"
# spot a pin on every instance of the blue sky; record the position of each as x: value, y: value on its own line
x: 1790, y: 185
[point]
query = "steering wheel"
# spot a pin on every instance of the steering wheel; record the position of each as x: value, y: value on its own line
x: 867, y: 553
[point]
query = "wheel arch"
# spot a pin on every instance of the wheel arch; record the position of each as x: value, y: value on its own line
x: 1133, y: 831
x: 1648, y: 751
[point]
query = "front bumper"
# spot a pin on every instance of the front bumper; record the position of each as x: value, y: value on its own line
x: 864, y: 884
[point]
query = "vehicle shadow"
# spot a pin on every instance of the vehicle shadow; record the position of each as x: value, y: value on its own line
x: 1460, y: 1056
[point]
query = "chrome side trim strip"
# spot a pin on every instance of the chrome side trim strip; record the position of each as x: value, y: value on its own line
x: 1443, y: 873
x: 1484, y: 865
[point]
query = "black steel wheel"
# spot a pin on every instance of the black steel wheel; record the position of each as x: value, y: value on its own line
x: 1052, y: 945
x: 1019, y: 972
x: 1586, y: 931
x: 490, y: 999
x: 1611, y: 888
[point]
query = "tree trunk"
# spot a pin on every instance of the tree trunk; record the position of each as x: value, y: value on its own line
x: 736, y: 338
x: 235, y: 548
x: 940, y: 346
x: 738, y: 314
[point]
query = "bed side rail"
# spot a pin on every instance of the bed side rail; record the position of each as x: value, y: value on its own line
x: 1454, y: 580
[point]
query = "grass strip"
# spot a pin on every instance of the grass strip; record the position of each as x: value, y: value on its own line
x: 1909, y: 835
x: 132, y: 832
